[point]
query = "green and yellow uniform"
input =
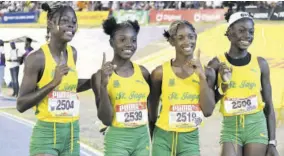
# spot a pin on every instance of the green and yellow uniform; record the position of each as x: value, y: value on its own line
x: 176, y: 132
x: 242, y: 105
x: 129, y: 132
x: 57, y: 129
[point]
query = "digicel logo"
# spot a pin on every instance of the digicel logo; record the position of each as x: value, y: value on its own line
x: 206, y: 17
x: 167, y: 17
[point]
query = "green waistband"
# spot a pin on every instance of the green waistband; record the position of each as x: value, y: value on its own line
x: 58, y: 125
x: 249, y: 118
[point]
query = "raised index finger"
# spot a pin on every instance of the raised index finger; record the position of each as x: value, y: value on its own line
x: 104, y: 59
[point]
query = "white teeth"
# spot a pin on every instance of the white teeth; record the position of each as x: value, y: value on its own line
x: 127, y: 51
x: 69, y: 32
x: 245, y: 42
x: 187, y: 49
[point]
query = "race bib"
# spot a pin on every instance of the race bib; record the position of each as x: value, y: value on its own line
x: 237, y: 106
x: 185, y: 116
x: 64, y: 104
x: 132, y: 115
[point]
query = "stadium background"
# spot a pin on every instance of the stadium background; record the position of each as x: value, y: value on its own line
x: 25, y: 19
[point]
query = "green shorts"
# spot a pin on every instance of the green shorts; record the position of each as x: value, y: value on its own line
x: 166, y: 143
x: 251, y: 128
x: 55, y: 138
x: 127, y: 141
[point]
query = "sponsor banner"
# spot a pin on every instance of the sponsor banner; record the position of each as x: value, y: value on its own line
x: 141, y: 16
x: 259, y: 13
x: 206, y: 15
x: 19, y: 17
x: 277, y: 14
x: 267, y: 14
x: 167, y: 16
x: 92, y: 18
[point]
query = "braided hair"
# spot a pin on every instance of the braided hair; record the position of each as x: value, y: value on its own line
x: 174, y: 28
x: 52, y: 9
x: 110, y: 26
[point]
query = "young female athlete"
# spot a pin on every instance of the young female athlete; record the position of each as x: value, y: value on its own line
x: 121, y: 89
x: 243, y: 86
x: 185, y: 95
x: 50, y: 84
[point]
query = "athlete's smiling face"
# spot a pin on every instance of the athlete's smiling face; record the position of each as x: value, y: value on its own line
x: 124, y: 42
x: 184, y: 40
x: 64, y: 29
x: 241, y: 33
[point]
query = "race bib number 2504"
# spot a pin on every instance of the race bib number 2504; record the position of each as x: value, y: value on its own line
x: 63, y: 104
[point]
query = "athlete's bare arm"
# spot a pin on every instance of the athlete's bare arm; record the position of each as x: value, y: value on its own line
x: 83, y: 84
x: 95, y: 84
x: 146, y: 74
x: 207, y: 100
x: 29, y: 95
x: 147, y: 78
x: 155, y: 93
x: 267, y: 97
x: 214, y: 63
x: 99, y: 86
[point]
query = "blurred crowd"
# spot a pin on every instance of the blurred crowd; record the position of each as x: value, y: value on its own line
x: 18, y: 6
x: 28, y: 6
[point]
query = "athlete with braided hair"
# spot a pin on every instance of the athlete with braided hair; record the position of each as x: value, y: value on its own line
x: 49, y: 86
x: 121, y: 88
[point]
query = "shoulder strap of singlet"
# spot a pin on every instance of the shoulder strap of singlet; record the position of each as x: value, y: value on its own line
x: 222, y: 57
x: 166, y: 71
x: 70, y: 61
x: 137, y: 70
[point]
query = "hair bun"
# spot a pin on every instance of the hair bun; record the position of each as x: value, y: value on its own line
x: 109, y: 25
x: 45, y: 7
x: 166, y: 34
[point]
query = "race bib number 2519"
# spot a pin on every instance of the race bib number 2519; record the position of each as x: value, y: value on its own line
x: 185, y: 116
